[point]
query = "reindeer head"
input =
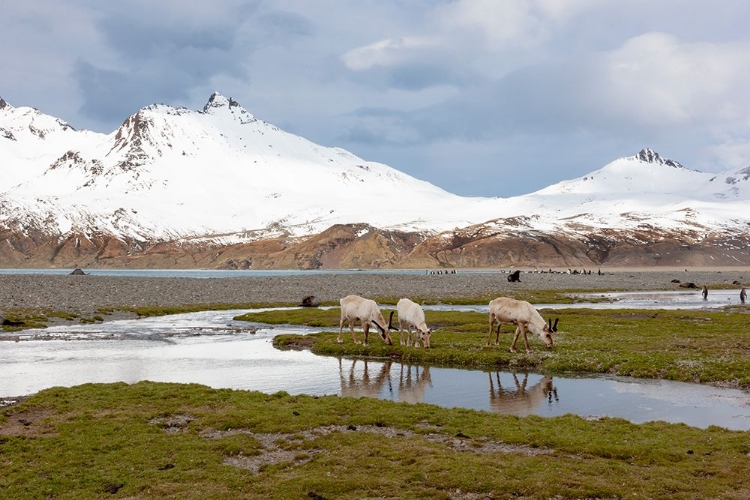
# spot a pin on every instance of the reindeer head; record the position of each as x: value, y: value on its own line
x: 425, y: 336
x: 548, y: 330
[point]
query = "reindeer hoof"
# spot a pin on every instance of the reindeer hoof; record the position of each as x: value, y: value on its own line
x: 340, y: 341
x: 512, y: 350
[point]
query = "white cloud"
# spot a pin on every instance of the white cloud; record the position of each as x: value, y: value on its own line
x: 538, y: 77
x: 509, y: 24
x: 654, y: 79
x: 390, y: 52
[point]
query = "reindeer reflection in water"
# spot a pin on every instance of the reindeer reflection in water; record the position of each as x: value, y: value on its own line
x: 411, y: 389
x: 521, y: 400
x: 412, y: 384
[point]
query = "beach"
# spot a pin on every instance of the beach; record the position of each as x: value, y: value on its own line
x: 86, y: 294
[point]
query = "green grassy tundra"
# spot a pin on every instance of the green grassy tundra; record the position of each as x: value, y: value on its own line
x: 155, y: 440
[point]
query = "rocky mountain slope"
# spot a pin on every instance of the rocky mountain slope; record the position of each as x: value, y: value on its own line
x: 219, y: 188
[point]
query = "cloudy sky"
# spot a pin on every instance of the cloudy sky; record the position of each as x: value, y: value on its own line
x: 480, y: 97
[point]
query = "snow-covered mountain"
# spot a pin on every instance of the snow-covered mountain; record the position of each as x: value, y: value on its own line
x: 169, y: 173
x: 220, y: 175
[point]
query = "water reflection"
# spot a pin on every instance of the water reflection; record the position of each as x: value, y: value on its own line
x: 521, y: 399
x: 412, y: 389
x: 412, y: 383
x: 363, y: 378
x: 211, y: 348
x: 360, y: 383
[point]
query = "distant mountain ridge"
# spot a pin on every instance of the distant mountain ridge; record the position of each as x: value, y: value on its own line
x: 173, y: 186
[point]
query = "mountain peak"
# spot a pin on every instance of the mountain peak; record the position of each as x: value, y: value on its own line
x: 217, y: 101
x: 4, y: 104
x: 648, y: 155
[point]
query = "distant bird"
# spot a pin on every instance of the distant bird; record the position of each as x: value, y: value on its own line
x: 705, y: 293
x: 743, y: 295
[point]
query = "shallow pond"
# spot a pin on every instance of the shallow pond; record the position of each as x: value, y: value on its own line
x: 211, y: 348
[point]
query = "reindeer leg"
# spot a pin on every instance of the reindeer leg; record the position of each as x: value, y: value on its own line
x: 354, y: 335
x: 341, y: 328
x: 497, y: 334
x: 515, y: 338
x: 492, y: 321
x: 401, y: 333
x: 366, y: 328
x: 525, y: 337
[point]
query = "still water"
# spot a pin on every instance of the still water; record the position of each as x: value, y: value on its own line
x: 211, y: 348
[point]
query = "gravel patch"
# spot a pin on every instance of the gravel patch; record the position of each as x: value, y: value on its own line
x: 85, y: 294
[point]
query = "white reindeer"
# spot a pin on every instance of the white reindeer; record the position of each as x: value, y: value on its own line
x: 523, y: 314
x: 355, y: 308
x: 411, y: 315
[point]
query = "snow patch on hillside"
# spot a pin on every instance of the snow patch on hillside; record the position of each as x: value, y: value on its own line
x: 222, y: 174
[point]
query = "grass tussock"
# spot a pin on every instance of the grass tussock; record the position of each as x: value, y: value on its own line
x: 153, y: 440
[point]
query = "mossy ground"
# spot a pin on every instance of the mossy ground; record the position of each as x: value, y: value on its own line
x: 151, y: 440
x: 689, y: 346
x: 155, y: 440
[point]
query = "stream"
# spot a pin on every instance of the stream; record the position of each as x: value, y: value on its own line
x: 213, y: 349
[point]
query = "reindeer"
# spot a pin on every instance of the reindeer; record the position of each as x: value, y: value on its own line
x: 412, y: 315
x: 522, y: 314
x: 355, y: 308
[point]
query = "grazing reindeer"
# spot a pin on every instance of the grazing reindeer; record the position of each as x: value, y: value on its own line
x: 412, y: 315
x: 522, y: 314
x: 355, y: 308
